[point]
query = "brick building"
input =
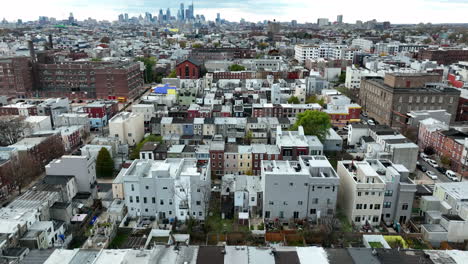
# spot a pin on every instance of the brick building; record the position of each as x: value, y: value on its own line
x: 189, y: 69
x: 448, y: 143
x: 203, y: 54
x: 90, y: 80
x: 217, y: 158
x: 16, y: 77
x: 445, y: 57
x: 388, y: 100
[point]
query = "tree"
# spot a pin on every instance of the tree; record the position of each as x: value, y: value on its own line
x: 11, y: 130
x: 313, y: 99
x: 293, y: 100
x: 173, y: 74
x: 182, y: 44
x: 105, y: 40
x: 96, y: 59
x: 104, y: 164
x: 149, y: 62
x: 429, y: 150
x: 342, y: 78
x: 446, y: 161
x: 151, y: 138
x: 427, y: 41
x: 315, y: 123
x: 236, y: 67
x: 22, y: 171
x: 262, y: 45
x: 248, y: 138
x: 197, y: 46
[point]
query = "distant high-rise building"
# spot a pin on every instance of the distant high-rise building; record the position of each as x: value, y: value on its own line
x: 191, y: 11
x: 160, y: 16
x: 322, y: 22
x: 148, y: 17
x: 273, y: 27
x: 168, y: 14
x: 218, y: 18
x: 182, y: 12
x: 126, y: 17
x: 121, y: 18
x: 339, y: 19
x: 71, y: 19
x: 294, y: 23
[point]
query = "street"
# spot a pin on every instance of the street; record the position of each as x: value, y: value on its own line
x: 421, y: 177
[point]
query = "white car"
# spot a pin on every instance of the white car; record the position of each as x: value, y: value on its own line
x: 371, y: 122
x: 433, y: 163
x: 451, y: 175
x: 431, y: 175
x: 423, y: 156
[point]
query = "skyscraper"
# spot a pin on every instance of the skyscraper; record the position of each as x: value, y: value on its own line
x: 160, y: 16
x: 168, y: 14
x: 191, y: 12
x: 121, y: 18
x: 126, y: 17
x: 339, y: 19
x: 182, y: 12
x: 71, y: 19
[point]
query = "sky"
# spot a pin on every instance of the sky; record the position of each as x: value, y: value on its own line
x: 395, y: 11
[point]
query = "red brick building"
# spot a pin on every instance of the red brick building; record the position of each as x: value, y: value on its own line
x: 217, y: 158
x: 16, y: 77
x: 445, y: 57
x: 446, y: 143
x: 90, y: 80
x: 189, y: 69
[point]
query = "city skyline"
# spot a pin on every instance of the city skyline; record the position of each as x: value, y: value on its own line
x: 400, y: 12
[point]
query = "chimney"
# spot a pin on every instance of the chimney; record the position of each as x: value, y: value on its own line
x: 32, y: 53
x: 51, y: 44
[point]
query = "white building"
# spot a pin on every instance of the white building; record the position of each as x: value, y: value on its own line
x: 83, y: 168
x: 127, y: 127
x: 167, y: 189
x: 147, y: 110
x: 446, y: 213
x: 361, y: 192
x: 363, y: 44
x: 308, y: 188
x: 326, y: 51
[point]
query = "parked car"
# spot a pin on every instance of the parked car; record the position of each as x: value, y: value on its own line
x: 423, y: 156
x: 431, y: 175
x: 371, y: 122
x: 421, y: 168
x: 441, y: 170
x: 432, y: 162
x: 364, y: 114
x: 451, y: 175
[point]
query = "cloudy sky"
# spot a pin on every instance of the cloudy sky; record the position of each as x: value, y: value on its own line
x: 396, y: 11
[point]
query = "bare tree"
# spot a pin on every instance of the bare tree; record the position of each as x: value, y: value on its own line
x: 23, y: 171
x: 11, y: 130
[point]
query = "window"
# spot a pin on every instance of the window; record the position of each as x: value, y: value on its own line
x: 357, y: 219
x: 170, y: 201
x: 146, y: 187
x: 358, y: 206
x: 270, y: 203
x: 295, y: 215
x: 377, y: 206
x: 153, y: 200
x: 252, y: 199
x: 404, y: 207
x: 370, y: 206
x: 198, y: 203
x: 299, y: 202
x: 388, y: 193
x: 170, y: 212
x: 131, y: 199
x: 387, y: 205
x: 291, y: 184
x: 365, y: 206
x: 144, y: 200
x: 161, y: 202
x: 375, y: 219
x: 359, y: 194
x: 132, y: 187
x: 315, y: 201
x: 200, y: 214
x: 313, y: 211
x: 267, y: 214
x: 164, y: 188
